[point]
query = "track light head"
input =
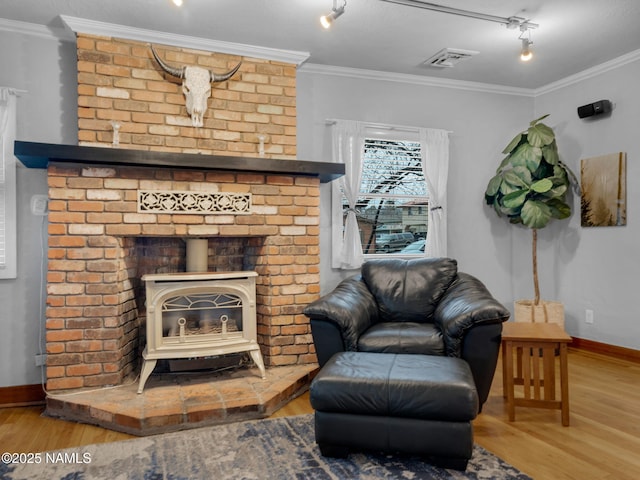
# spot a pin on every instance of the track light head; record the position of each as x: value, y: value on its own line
x: 327, y: 20
x: 525, y: 53
x: 525, y: 37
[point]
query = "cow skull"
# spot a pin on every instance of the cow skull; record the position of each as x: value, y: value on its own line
x: 196, y: 86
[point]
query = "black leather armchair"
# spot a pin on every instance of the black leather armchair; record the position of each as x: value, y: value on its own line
x: 421, y: 306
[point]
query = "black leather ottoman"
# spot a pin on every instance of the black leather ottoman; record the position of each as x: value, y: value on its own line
x: 407, y: 403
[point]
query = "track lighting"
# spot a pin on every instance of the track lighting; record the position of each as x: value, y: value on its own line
x: 327, y: 20
x: 511, y: 23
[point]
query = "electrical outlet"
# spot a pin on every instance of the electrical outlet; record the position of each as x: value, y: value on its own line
x: 39, y: 204
x: 588, y: 316
x: 41, y: 360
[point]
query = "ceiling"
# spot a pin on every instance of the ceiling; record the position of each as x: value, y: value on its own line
x: 573, y: 35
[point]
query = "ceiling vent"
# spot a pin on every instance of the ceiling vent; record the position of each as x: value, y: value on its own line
x: 449, y: 57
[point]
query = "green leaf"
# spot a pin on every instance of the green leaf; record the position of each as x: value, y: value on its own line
x: 515, y: 199
x: 504, y: 163
x: 517, y: 158
x: 505, y: 212
x: 542, y: 186
x: 572, y: 179
x: 550, y: 153
x: 559, y: 176
x: 535, y: 214
x: 533, y: 122
x: 556, y: 192
x: 494, y: 186
x: 508, y: 212
x: 517, y: 177
x: 527, y: 156
x: 506, y: 188
x: 559, y: 209
x: 533, y: 158
x: 513, y: 144
x: 540, y: 135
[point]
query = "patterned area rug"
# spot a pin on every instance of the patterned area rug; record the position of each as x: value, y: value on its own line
x: 281, y: 448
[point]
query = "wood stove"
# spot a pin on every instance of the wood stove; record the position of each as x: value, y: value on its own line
x: 200, y: 314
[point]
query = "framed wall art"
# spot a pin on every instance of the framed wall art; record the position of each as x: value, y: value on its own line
x: 603, y: 201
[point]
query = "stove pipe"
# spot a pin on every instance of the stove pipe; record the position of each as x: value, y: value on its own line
x: 197, y: 254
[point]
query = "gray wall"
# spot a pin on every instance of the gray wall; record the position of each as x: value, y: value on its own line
x: 482, y: 124
x: 585, y: 268
x: 46, y: 69
x: 597, y: 267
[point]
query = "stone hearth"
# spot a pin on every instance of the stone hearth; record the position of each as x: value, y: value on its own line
x: 174, y: 402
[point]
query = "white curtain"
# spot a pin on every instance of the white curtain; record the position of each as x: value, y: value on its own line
x: 7, y: 183
x: 435, y: 166
x: 347, y: 148
x: 6, y: 96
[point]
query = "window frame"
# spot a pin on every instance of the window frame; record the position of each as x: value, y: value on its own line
x: 394, y: 134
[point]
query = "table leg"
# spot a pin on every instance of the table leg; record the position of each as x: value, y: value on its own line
x: 527, y: 359
x: 504, y: 369
x: 549, y: 367
x: 508, y: 386
x: 564, y: 385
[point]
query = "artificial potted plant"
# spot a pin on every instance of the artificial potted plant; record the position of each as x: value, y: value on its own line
x: 530, y: 189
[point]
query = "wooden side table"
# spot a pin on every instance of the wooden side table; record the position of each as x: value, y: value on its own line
x: 533, y: 344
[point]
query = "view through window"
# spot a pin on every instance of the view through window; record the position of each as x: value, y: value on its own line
x: 393, y: 202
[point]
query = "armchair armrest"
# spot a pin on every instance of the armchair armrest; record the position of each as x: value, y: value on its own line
x: 466, y: 304
x: 350, y: 306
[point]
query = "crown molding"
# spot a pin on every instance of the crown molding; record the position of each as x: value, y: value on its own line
x: 414, y: 79
x: 25, y: 28
x: 82, y: 25
x: 590, y: 73
x: 75, y: 25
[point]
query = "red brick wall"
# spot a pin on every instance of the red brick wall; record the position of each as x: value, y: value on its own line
x: 92, y: 313
x: 100, y: 246
x: 119, y: 80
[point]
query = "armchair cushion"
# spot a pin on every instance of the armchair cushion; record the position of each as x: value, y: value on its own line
x: 408, y: 290
x: 402, y: 337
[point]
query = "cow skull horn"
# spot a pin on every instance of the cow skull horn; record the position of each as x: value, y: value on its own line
x: 225, y: 76
x: 179, y: 72
x: 176, y: 72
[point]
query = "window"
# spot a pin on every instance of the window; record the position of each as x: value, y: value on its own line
x: 394, y: 189
x: 8, y: 251
x: 391, y: 206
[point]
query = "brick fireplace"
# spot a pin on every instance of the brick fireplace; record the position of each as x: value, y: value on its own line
x: 135, y: 136
x: 100, y: 243
x: 100, y: 246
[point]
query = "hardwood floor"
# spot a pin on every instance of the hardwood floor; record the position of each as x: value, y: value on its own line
x: 603, y: 441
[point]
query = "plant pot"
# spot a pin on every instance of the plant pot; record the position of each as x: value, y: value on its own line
x: 544, y: 312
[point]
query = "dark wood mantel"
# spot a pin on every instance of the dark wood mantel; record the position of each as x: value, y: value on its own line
x: 38, y: 155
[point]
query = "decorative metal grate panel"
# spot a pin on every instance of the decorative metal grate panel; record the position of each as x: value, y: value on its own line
x: 176, y: 202
x: 201, y: 301
x: 203, y: 313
